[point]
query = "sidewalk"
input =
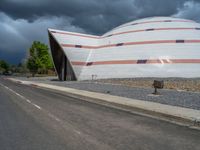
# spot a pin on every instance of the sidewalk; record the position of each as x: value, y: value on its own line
x: 171, y: 97
x: 186, y: 116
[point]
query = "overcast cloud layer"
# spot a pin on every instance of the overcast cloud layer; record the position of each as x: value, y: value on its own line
x: 23, y: 21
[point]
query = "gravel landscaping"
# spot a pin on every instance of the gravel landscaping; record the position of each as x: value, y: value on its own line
x: 177, y: 92
x: 187, y: 84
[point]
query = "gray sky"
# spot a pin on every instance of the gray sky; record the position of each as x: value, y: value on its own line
x: 23, y: 21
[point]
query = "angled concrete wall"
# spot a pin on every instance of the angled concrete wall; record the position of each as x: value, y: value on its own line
x: 61, y: 62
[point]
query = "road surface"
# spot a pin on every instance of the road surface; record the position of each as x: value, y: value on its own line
x: 38, y: 119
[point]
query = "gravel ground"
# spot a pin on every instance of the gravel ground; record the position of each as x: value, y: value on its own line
x: 187, y: 84
x: 127, y: 88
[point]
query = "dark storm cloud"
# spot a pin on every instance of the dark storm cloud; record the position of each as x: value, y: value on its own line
x: 150, y: 8
x: 35, y: 8
x: 88, y: 14
x: 190, y: 10
x: 27, y: 20
x: 94, y: 16
x: 16, y: 36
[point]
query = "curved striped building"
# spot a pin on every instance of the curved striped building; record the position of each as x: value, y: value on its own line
x: 150, y: 47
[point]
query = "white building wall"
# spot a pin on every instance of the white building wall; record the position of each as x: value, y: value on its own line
x: 91, y: 52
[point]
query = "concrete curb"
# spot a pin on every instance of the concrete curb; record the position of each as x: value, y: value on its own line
x: 179, y: 115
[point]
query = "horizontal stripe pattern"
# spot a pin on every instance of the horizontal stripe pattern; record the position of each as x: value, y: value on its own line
x: 141, y: 61
x: 75, y: 34
x: 158, y: 21
x: 125, y: 32
x: 152, y: 29
x: 131, y: 43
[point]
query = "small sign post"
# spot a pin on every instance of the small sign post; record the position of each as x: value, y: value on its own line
x: 157, y: 85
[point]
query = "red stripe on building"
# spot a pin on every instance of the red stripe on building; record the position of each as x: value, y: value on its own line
x: 67, y: 45
x: 126, y: 32
x: 150, y: 61
x: 78, y: 63
x: 115, y: 62
x: 161, y: 21
x: 154, y: 29
x: 164, y: 21
x: 192, y: 41
x: 174, y: 61
x: 99, y: 37
x: 131, y: 43
x: 76, y: 34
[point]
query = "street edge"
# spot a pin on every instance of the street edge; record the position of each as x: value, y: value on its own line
x: 191, y: 120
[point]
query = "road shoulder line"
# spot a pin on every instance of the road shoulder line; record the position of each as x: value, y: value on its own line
x: 184, y: 116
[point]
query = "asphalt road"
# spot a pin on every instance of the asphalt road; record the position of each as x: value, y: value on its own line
x: 38, y: 119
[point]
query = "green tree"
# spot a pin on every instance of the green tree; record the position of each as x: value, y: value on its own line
x: 39, y: 60
x: 4, y: 66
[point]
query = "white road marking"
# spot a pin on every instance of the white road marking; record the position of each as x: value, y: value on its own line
x: 27, y: 100
x: 57, y: 119
x: 54, y: 117
x: 78, y: 132
x: 38, y: 107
